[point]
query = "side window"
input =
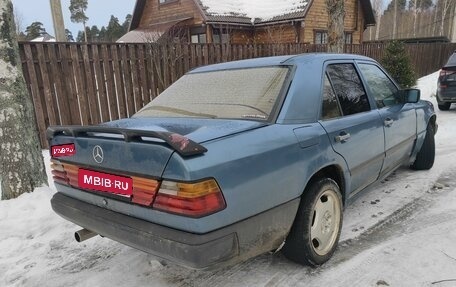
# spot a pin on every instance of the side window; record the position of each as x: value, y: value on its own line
x: 348, y: 88
x: 383, y: 89
x: 330, y: 108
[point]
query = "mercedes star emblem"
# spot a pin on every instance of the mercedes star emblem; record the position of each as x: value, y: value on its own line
x: 98, y: 154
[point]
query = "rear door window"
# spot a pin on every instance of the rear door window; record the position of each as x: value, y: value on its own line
x: 330, y: 108
x: 348, y: 88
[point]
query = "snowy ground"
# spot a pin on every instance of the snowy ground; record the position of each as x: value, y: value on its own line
x: 401, y: 233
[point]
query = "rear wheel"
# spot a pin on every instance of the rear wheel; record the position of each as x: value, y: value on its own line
x: 316, y: 230
x: 426, y: 155
x: 444, y: 106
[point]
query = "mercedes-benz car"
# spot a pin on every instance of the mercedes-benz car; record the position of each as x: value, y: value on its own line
x: 240, y: 158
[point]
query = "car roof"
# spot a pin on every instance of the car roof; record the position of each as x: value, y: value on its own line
x: 451, y: 61
x: 279, y: 60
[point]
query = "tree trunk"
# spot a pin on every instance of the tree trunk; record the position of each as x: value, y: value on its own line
x: 336, y: 13
x: 377, y: 28
x: 85, y: 31
x: 395, y: 20
x: 415, y: 16
x: 21, y: 161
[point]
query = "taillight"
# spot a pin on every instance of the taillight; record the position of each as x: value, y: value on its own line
x: 144, y: 190
x: 58, y: 172
x: 190, y: 199
x: 444, y: 72
x: 64, y: 173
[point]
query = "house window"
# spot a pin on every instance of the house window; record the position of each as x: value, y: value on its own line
x: 348, y: 38
x: 199, y: 39
x: 321, y: 37
x: 198, y: 35
x: 220, y: 36
x: 166, y: 1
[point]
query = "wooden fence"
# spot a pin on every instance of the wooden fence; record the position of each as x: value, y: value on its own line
x: 84, y: 84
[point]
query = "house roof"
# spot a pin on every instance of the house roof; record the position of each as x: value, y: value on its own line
x: 44, y: 38
x: 252, y: 12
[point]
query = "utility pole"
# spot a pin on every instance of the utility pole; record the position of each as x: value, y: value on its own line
x: 57, y: 18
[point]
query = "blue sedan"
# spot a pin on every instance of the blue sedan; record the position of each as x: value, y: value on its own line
x: 237, y: 159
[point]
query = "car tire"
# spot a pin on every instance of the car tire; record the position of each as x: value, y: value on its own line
x: 425, y: 157
x: 444, y: 106
x: 316, y: 230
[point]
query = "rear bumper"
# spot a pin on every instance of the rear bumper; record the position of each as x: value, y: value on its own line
x: 447, y: 95
x: 227, y: 245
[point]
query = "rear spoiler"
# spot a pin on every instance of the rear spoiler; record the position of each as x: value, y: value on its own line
x: 182, y: 145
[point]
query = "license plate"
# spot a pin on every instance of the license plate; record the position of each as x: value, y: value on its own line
x: 105, y: 182
x: 63, y: 150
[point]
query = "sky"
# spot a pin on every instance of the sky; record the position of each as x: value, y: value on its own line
x: 98, y: 11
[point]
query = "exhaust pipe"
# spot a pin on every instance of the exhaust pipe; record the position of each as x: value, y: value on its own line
x: 83, y: 235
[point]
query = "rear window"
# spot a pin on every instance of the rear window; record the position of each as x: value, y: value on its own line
x: 452, y: 60
x: 235, y: 94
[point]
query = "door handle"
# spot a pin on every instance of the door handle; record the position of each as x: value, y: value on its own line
x: 388, y: 122
x: 342, y: 137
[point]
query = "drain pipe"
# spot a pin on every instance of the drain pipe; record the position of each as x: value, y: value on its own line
x: 83, y: 235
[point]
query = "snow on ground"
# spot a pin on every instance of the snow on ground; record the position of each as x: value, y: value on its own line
x: 400, y: 233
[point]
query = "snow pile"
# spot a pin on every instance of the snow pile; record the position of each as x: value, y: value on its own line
x: 428, y: 85
x: 254, y: 9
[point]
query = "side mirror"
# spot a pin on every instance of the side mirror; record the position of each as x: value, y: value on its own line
x: 411, y: 95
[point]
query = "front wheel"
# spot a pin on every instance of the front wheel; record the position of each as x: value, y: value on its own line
x: 315, y: 233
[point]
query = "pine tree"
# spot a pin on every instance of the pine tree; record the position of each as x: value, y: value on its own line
x: 126, y: 23
x: 94, y: 34
x: 35, y: 30
x: 114, y: 30
x: 397, y: 62
x: 69, y: 35
x: 78, y: 15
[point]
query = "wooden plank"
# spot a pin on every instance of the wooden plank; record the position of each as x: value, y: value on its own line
x: 134, y: 72
x: 91, y: 91
x: 186, y: 56
x: 164, y: 52
x: 100, y: 84
x: 179, y: 61
x: 56, y: 75
x: 67, y: 70
x: 146, y: 98
x: 48, y: 52
x: 80, y: 85
x: 108, y: 72
x: 119, y: 82
x: 65, y: 101
x: 126, y: 68
x: 193, y: 56
x: 36, y: 97
x: 149, y: 66
x: 48, y: 106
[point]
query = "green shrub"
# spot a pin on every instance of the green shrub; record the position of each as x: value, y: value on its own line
x: 397, y: 62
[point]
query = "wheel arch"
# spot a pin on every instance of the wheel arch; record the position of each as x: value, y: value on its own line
x: 433, y: 122
x: 334, y: 172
